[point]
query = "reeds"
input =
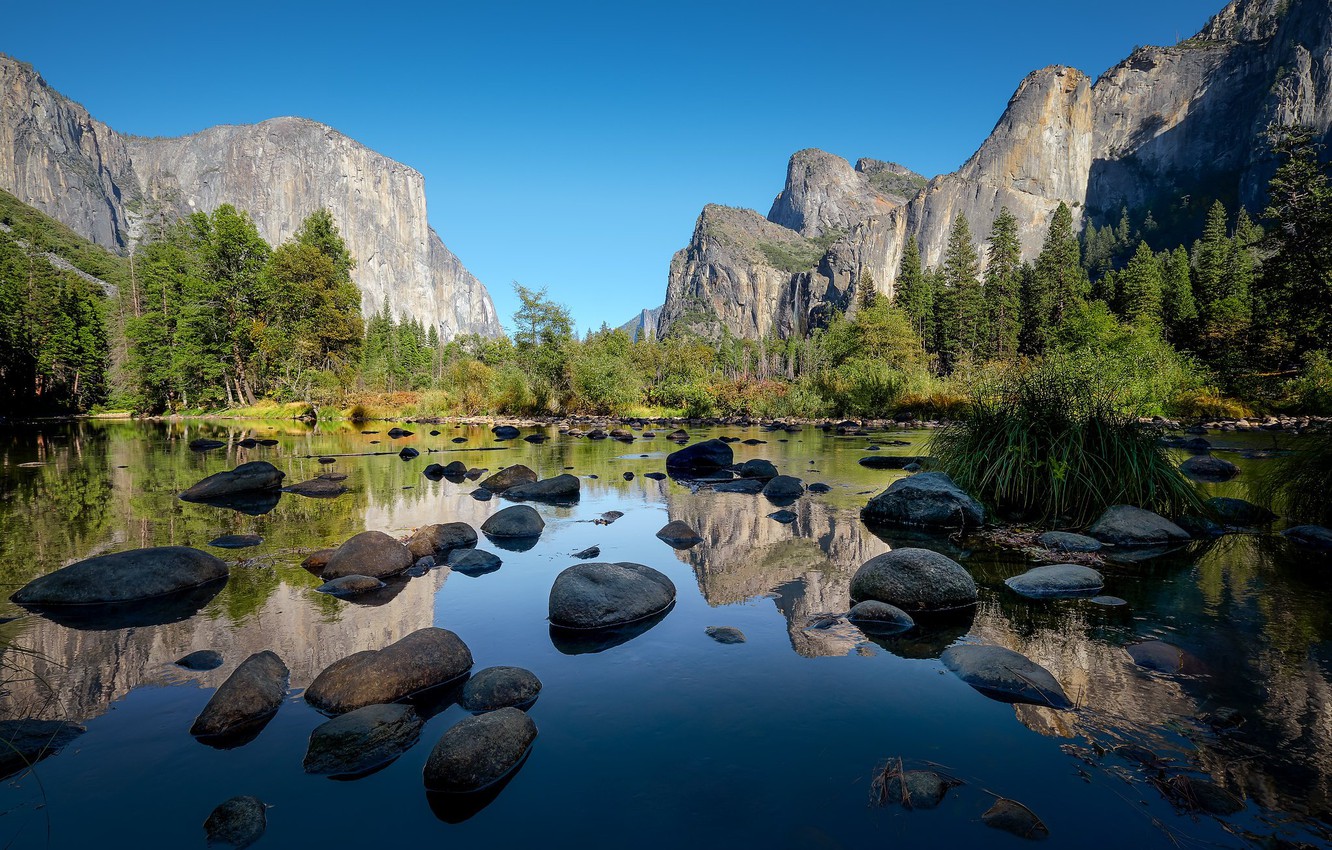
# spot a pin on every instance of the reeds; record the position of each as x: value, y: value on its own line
x: 1298, y: 486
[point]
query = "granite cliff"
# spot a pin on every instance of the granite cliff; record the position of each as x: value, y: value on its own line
x: 1173, y: 127
x: 113, y: 188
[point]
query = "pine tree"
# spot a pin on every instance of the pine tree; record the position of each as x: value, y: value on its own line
x: 865, y: 290
x: 1178, y: 310
x: 913, y: 294
x: 1210, y: 255
x: 1057, y: 284
x: 1003, y: 283
x: 962, y: 310
x: 1140, y: 286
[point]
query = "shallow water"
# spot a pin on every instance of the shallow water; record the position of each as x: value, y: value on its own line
x: 668, y: 738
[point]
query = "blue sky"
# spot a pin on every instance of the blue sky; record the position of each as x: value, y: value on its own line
x: 572, y: 145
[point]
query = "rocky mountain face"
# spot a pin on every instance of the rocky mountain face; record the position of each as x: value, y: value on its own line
x: 642, y: 326
x: 1169, y: 127
x: 113, y: 189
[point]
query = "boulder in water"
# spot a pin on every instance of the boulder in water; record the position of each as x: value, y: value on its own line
x: 925, y: 500
x: 600, y: 595
x: 505, y: 432
x: 1125, y: 525
x: 362, y: 740
x: 1239, y: 512
x: 424, y: 659
x: 255, y: 476
x: 915, y: 580
x: 1064, y: 541
x: 238, y: 822
x: 236, y: 541
x: 918, y: 789
x: 1057, y: 580
x: 500, y: 687
x: 1012, y: 816
x: 473, y: 562
x: 516, y: 521
x: 200, y: 660
x: 758, y: 468
x: 873, y: 616
x: 1005, y: 675
x: 679, y: 534
x: 784, y: 488
x: 1314, y: 537
x: 352, y: 585
x: 1209, y: 469
x: 23, y: 743
x: 561, y: 488
x: 725, y: 634
x: 479, y: 751
x: 707, y: 456
x: 370, y: 553
x: 130, y: 576
x: 440, y: 539
x: 249, y: 697
x: 509, y: 476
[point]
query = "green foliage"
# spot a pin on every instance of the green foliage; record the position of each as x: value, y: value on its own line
x: 792, y: 256
x: 1140, y: 287
x: 1050, y: 441
x: 914, y: 295
x: 1056, y: 284
x: 1311, y: 391
x: 1294, y: 485
x: 1003, y: 289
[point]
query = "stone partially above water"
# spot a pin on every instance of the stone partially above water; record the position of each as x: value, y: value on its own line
x: 1005, y: 675
x: 561, y: 488
x: 679, y: 534
x: 1057, y: 580
x: 249, y: 696
x: 362, y: 740
x: 370, y: 553
x: 500, y: 687
x: 255, y: 476
x: 353, y: 585
x: 479, y: 751
x: 129, y: 576
x: 440, y: 539
x: 424, y: 659
x: 600, y: 595
x: 509, y: 476
x: 918, y: 789
x: 916, y: 581
x: 23, y: 743
x: 784, y: 488
x: 725, y: 634
x: 1064, y: 541
x: 474, y: 562
x: 237, y: 823
x: 200, y: 660
x: 1239, y: 512
x: 707, y: 456
x: 1012, y: 816
x: 1209, y: 469
x: 875, y: 616
x: 1315, y: 537
x: 925, y: 500
x: 1125, y: 525
x: 516, y: 521
x: 758, y: 468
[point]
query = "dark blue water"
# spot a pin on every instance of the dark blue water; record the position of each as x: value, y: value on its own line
x: 669, y: 739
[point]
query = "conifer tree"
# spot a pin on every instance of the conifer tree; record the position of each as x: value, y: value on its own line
x: 962, y: 310
x: 913, y: 294
x: 1057, y: 284
x: 1003, y: 283
x: 1140, y: 286
x: 1178, y: 310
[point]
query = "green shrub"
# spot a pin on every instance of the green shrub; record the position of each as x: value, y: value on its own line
x: 1295, y: 486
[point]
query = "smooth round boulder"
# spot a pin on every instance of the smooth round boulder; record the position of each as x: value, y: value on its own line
x: 1005, y: 675
x: 561, y: 488
x: 204, y: 444
x: 875, y: 616
x: 1127, y: 526
x: 408, y: 453
x: 505, y: 432
x: 1164, y: 657
x: 758, y: 468
x: 748, y: 486
x: 784, y: 487
x: 1109, y: 601
x: 1065, y: 541
x: 919, y: 581
x: 317, y: 560
x: 1209, y: 469
x: 1056, y: 580
x: 238, y: 822
x: 482, y: 495
x: 424, y: 659
x: 707, y: 456
x: 200, y: 660
x: 509, y: 476
x: 478, y: 751
x: 321, y: 487
x: 474, y: 562
x: 250, y: 695
x: 679, y: 534
x: 440, y: 539
x: 600, y: 595
x: 370, y: 553
x: 500, y: 687
x: 249, y: 477
x: 819, y: 487
x: 516, y: 521
x: 1315, y: 537
x: 352, y: 585
x: 1239, y: 512
x: 236, y: 541
x: 362, y: 740
x: 784, y: 517
x: 925, y: 500
x: 129, y: 576
x: 397, y: 433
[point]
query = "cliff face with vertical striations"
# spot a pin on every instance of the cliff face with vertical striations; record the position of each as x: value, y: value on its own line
x: 54, y: 156
x: 1166, y: 124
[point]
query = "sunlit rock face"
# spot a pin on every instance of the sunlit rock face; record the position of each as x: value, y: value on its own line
x: 117, y: 189
x: 1167, y: 122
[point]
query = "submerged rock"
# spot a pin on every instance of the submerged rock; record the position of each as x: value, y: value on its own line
x: 204, y: 444
x: 23, y: 743
x: 915, y: 580
x: 599, y: 595
x: 236, y: 541
x: 1164, y: 657
x: 1056, y: 580
x: 509, y: 476
x: 130, y: 576
x: 505, y: 432
x: 1064, y: 541
x: 926, y: 500
x: 784, y: 517
x: 679, y: 534
x: 707, y: 456
x: 362, y: 739
x: 500, y: 687
x: 1310, y: 537
x: 238, y: 822
x: 322, y: 487
x: 1005, y: 675
x: 370, y: 553
x: 424, y: 659
x: 479, y: 751
x: 1012, y: 816
x: 317, y: 560
x: 257, y: 475
x: 516, y: 521
x: 1125, y: 525
x: 875, y: 616
x: 589, y: 552
x: 352, y: 585
x: 748, y: 486
x: 440, y: 539
x: 819, y: 487
x: 1240, y: 512
x: 249, y: 696
x: 725, y: 634
x: 918, y: 789
x: 200, y: 660
x: 474, y: 562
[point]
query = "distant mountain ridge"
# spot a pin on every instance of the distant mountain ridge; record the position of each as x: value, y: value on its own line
x: 1167, y: 123
x: 112, y: 188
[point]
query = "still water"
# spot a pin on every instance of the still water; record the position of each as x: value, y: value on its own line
x: 668, y: 739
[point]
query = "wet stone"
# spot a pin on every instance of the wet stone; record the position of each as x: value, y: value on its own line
x: 725, y: 634
x: 500, y: 687
x: 201, y: 660
x: 238, y: 822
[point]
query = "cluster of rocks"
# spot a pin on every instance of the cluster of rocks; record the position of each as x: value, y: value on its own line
x: 1287, y: 424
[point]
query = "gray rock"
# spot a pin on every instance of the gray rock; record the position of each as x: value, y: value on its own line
x: 424, y: 659
x: 1240, y: 512
x: 408, y: 453
x: 479, y: 751
x: 1057, y: 580
x: 516, y: 521
x: 500, y: 687
x: 238, y: 822
x: 925, y: 500
x: 250, y: 695
x: 482, y: 495
x: 370, y: 553
x: 23, y: 743
x: 440, y: 539
x: 362, y: 740
x: 505, y: 432
x: 725, y: 634
x: 875, y: 616
x: 204, y: 444
x: 474, y: 562
x: 1012, y: 816
x: 784, y: 487
x: 918, y: 789
x: 509, y: 476
x: 236, y: 541
x: 758, y: 468
x: 784, y: 517
x: 200, y: 660
x: 1310, y: 537
x: 1005, y: 675
x: 352, y: 585
x: 888, y: 461
x: 257, y: 475
x: 561, y: 488
x: 130, y: 576
x: 819, y: 487
x: 748, y: 486
x: 679, y: 534
x: 323, y: 487
x: 598, y: 595
x: 398, y: 433
x: 589, y: 552
x: 1063, y: 541
x: 915, y: 580
x: 1208, y: 468
x: 706, y: 456
x: 1125, y: 525
x: 1164, y: 658
x: 1109, y: 601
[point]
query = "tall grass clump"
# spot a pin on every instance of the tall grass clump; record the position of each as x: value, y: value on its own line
x: 1298, y: 486
x: 1052, y: 441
